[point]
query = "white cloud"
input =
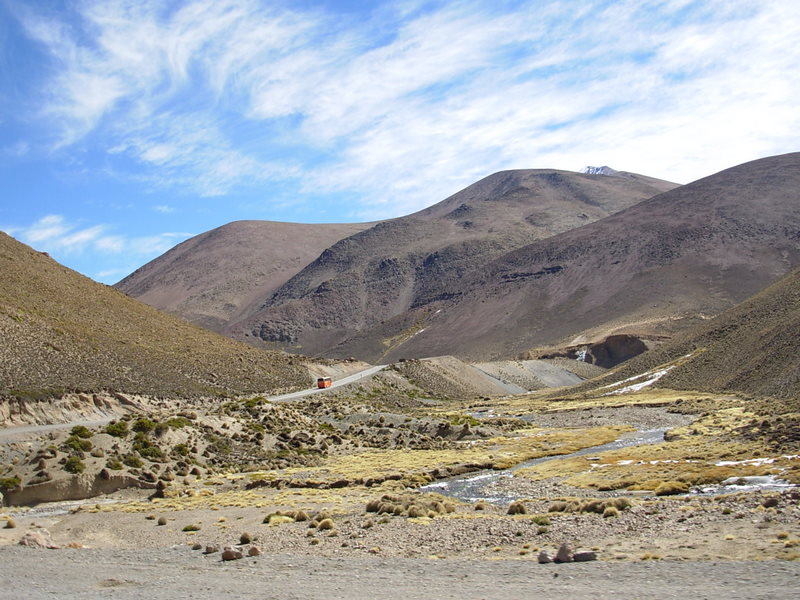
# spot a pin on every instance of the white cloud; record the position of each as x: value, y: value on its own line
x: 412, y: 105
x: 56, y: 235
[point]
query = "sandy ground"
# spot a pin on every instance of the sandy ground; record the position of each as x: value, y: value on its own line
x: 181, y: 573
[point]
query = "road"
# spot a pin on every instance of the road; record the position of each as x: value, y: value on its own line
x: 338, y: 383
x: 10, y: 433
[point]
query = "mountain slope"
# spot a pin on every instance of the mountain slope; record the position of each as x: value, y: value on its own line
x: 62, y: 331
x: 217, y: 276
x: 413, y: 261
x: 753, y: 347
x: 656, y: 267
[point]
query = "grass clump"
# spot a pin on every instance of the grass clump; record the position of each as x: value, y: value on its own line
x: 9, y: 483
x: 74, y: 465
x: 118, y: 429
x: 671, y: 488
x: 81, y: 432
x: 189, y: 528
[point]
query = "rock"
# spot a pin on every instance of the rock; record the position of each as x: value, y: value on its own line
x: 211, y: 550
x: 544, y: 558
x: 254, y: 551
x: 38, y: 539
x: 197, y: 546
x: 564, y: 554
x: 231, y: 554
x: 584, y: 556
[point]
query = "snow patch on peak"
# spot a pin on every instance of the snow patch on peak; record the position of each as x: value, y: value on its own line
x: 599, y: 171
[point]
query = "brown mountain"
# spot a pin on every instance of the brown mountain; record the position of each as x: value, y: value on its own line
x: 655, y: 267
x: 753, y: 347
x: 225, y: 274
x: 63, y: 332
x: 411, y: 262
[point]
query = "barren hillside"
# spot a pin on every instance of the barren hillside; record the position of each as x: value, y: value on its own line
x: 654, y: 268
x: 62, y: 331
x: 217, y: 276
x: 412, y: 262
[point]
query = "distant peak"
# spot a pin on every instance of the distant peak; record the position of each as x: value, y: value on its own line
x: 599, y: 171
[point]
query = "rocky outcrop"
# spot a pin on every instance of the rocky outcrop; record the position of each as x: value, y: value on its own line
x: 75, y: 487
x: 69, y: 408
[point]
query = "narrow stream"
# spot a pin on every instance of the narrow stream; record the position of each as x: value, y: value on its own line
x: 470, y: 488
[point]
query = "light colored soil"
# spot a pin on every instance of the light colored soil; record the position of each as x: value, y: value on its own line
x: 182, y: 573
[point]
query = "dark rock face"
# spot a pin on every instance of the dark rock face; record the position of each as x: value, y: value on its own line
x: 610, y: 352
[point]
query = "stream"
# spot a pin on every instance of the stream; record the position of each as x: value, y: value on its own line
x: 470, y: 487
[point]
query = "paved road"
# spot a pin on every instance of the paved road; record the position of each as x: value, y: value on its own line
x: 337, y: 383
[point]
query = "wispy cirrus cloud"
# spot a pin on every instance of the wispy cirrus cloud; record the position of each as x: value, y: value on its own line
x: 57, y: 235
x: 406, y: 107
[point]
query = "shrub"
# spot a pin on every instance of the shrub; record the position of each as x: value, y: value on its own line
x: 610, y: 511
x: 541, y: 520
x: 114, y: 464
x: 118, y: 429
x: 181, y: 449
x: 245, y: 538
x: 74, y: 465
x: 162, y: 520
x: 191, y: 528
x: 143, y: 425
x: 132, y: 461
x: 77, y: 444
x: 669, y: 488
x: 178, y: 422
x: 9, y: 483
x: 160, y: 429
x: 81, y: 432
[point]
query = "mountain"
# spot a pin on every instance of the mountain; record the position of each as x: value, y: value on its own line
x: 753, y: 347
x: 64, y: 332
x: 218, y: 276
x: 404, y: 264
x: 652, y: 269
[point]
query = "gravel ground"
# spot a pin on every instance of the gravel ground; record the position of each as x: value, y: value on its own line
x: 181, y: 573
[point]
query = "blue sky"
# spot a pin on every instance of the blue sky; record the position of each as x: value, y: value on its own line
x: 127, y: 126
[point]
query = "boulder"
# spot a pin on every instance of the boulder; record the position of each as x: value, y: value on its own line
x: 230, y: 554
x: 38, y: 539
x: 564, y: 554
x: 544, y: 558
x: 584, y: 556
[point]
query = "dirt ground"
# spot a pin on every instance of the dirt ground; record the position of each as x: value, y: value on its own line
x: 181, y: 573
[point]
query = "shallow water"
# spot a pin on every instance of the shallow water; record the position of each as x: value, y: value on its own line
x: 470, y: 488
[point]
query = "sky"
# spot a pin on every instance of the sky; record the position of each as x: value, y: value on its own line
x: 127, y: 126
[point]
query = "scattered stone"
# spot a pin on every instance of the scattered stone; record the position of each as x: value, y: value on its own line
x: 38, y: 539
x: 197, y: 546
x: 544, y: 558
x: 211, y: 549
x: 254, y: 551
x: 230, y: 554
x: 584, y: 556
x: 10, y: 523
x: 770, y: 502
x: 564, y: 554
x: 162, y: 521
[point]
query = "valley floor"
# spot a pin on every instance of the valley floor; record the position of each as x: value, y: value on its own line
x: 179, y: 573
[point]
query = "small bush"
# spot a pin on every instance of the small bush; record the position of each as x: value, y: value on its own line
x: 118, y: 429
x: 245, y: 538
x: 114, y: 464
x: 181, y: 449
x: 178, y: 422
x: 325, y: 524
x: 132, y: 461
x: 81, y: 432
x: 160, y: 429
x: 669, y: 488
x: 74, y: 465
x: 191, y: 528
x: 77, y: 444
x: 610, y: 511
x: 162, y: 520
x: 143, y: 425
x: 9, y: 483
